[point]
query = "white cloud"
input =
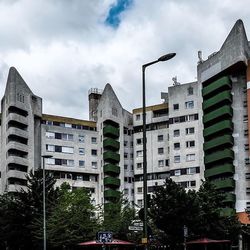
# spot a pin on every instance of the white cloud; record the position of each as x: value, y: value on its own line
x: 63, y: 48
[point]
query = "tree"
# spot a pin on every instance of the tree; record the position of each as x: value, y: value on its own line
x: 20, y: 212
x: 118, y: 216
x: 172, y: 207
x: 72, y: 219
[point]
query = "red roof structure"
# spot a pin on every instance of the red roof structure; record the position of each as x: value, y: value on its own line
x: 205, y: 241
x: 114, y: 242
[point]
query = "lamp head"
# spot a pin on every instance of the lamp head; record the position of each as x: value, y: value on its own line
x: 166, y: 57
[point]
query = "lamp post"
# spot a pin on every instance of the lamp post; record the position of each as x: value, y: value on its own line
x: 44, y: 201
x: 161, y: 59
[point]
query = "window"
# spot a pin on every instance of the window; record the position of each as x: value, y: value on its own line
x: 81, y: 138
x: 50, y: 148
x: 114, y: 112
x: 189, y: 131
x: 247, y: 176
x: 81, y: 164
x: 177, y: 146
x: 50, y: 161
x: 70, y: 163
x: 50, y: 135
x: 137, y: 117
x: 176, y: 132
x: 125, y: 143
x: 94, y: 152
x: 93, y: 140
x: 68, y: 150
x: 125, y: 191
x: 140, y: 203
x: 176, y: 106
x: 139, y: 165
x: 190, y: 91
x: 79, y: 177
x: 177, y: 159
x: 192, y: 183
x: 189, y: 104
x: 139, y: 153
x: 81, y: 151
x: 160, y: 151
x: 67, y: 137
x: 125, y: 155
x: 190, y: 157
x: 191, y: 170
x: 160, y: 137
x: 177, y: 172
x: 126, y: 167
x: 139, y: 141
x: 190, y: 144
x: 161, y: 163
x: 139, y: 190
x: 94, y: 164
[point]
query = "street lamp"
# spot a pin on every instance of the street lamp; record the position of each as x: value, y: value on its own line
x: 44, y: 201
x: 160, y: 59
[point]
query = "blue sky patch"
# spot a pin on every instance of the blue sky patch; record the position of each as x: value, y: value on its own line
x: 113, y: 18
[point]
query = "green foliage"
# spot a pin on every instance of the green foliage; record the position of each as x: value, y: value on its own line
x: 118, y: 216
x: 72, y: 220
x: 172, y: 207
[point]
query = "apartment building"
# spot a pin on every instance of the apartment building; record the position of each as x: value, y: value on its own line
x: 224, y: 79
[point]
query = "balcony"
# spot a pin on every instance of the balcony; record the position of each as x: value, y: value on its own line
x: 16, y: 174
x: 227, y: 155
x: 218, y: 142
x: 18, y: 132
x: 219, y: 127
x: 224, y: 97
x: 112, y: 157
x: 220, y: 113
x: 112, y: 182
x: 221, y: 84
x: 16, y: 188
x: 111, y: 194
x: 220, y: 170
x: 224, y: 184
x: 230, y: 198
x: 111, y: 131
x: 110, y: 143
x: 17, y: 118
x: 17, y: 160
x: 17, y: 146
x: 111, y: 169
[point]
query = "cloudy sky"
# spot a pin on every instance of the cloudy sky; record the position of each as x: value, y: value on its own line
x: 62, y: 48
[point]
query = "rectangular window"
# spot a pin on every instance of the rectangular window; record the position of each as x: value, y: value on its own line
x: 160, y: 137
x: 161, y: 163
x: 176, y: 106
x: 139, y: 153
x: 139, y: 141
x: 50, y: 161
x: 177, y: 172
x: 126, y: 191
x: 190, y: 144
x: 93, y: 140
x: 139, y: 165
x: 192, y: 183
x: 94, y: 164
x: 94, y: 152
x: 189, y: 131
x: 70, y: 163
x: 160, y: 151
x: 50, y: 148
x: 125, y: 155
x: 126, y: 167
x: 139, y: 190
x: 140, y: 203
x: 81, y: 164
x: 125, y: 143
x: 177, y: 158
x: 81, y: 151
x: 177, y: 146
x: 67, y: 137
x: 176, y: 132
x: 68, y: 150
x: 81, y: 138
x: 190, y: 157
x: 50, y: 135
x: 189, y: 104
x: 137, y: 117
x: 190, y: 91
x: 191, y: 170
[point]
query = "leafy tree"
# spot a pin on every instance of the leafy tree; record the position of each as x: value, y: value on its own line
x: 118, y: 216
x: 72, y: 219
x: 19, y: 212
x: 172, y: 207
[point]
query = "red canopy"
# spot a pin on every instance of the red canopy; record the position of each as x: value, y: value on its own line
x: 207, y: 241
x: 114, y: 242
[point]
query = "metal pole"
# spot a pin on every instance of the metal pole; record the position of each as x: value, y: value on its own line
x: 145, y: 228
x: 44, y: 208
